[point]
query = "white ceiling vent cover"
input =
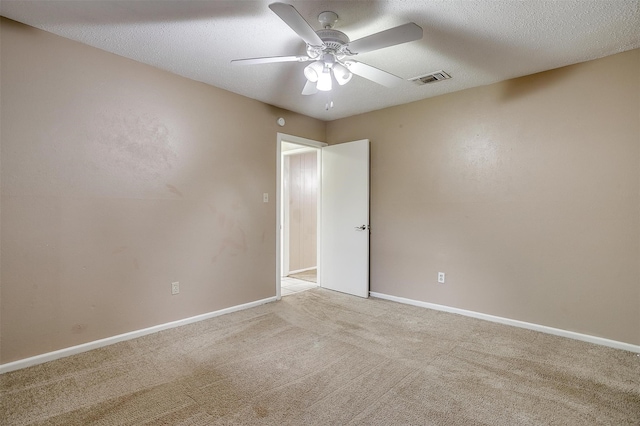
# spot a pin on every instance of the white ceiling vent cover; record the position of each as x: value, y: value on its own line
x: 432, y: 77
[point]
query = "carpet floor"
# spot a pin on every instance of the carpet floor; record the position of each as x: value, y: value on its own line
x: 324, y: 358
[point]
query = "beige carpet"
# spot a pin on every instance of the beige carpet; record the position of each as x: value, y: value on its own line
x: 323, y: 358
x: 310, y: 275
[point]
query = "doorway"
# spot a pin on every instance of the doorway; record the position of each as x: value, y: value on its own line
x: 298, y: 214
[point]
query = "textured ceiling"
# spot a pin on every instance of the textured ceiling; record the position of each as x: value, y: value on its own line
x: 477, y: 42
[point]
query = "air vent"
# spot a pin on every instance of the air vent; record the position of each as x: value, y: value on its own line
x: 432, y: 77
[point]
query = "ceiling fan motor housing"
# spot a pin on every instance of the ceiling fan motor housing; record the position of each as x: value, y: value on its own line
x: 334, y: 42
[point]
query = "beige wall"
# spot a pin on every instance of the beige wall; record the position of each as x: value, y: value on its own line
x: 525, y: 193
x: 303, y: 209
x: 118, y: 179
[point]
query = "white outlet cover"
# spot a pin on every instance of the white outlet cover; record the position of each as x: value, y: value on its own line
x: 175, y: 288
x: 441, y: 277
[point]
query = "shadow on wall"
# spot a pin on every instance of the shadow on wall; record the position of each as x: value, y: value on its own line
x: 525, y: 86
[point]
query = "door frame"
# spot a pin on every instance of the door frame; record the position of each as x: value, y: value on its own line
x: 283, y: 137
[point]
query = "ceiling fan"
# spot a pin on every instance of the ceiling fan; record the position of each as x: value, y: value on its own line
x: 330, y: 50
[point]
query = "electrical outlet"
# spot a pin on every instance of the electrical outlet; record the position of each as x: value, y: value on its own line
x: 441, y: 277
x: 175, y: 288
x: 265, y: 197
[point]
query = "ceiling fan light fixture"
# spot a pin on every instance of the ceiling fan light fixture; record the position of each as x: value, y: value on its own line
x: 342, y: 74
x: 324, y: 80
x: 313, y: 70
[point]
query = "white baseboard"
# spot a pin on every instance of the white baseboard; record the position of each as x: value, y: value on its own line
x: 50, y: 356
x: 297, y: 271
x: 530, y: 326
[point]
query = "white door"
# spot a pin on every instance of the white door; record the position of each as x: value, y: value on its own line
x: 345, y: 218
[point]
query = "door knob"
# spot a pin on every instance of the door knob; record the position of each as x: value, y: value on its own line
x: 361, y: 228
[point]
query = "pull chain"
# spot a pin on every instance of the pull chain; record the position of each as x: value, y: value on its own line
x: 329, y: 103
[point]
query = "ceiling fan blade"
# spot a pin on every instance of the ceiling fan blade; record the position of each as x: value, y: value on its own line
x: 374, y: 74
x: 397, y: 35
x: 269, y: 60
x: 309, y: 88
x: 292, y: 18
